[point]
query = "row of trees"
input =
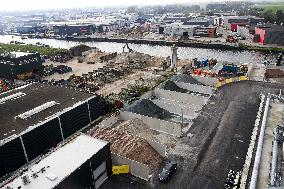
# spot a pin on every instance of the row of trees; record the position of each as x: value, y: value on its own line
x: 271, y: 16
x: 31, y: 48
x: 164, y: 9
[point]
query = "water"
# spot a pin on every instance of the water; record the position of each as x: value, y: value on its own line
x: 162, y: 51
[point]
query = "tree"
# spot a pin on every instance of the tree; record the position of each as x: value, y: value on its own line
x: 131, y: 9
x: 268, y: 16
x: 279, y: 16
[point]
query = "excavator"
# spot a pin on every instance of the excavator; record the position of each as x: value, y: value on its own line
x: 231, y: 39
x: 127, y: 47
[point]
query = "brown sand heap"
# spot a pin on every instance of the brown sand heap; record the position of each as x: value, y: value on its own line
x: 137, y: 127
x: 130, y: 146
x: 138, y: 58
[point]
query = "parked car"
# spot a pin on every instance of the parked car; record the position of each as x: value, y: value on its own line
x: 167, y: 171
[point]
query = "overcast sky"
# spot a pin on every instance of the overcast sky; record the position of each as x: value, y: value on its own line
x: 50, y: 4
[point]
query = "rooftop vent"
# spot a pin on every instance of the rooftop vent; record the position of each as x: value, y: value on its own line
x: 11, y: 97
x: 36, y: 110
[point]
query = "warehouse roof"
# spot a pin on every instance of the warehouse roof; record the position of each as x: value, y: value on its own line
x: 39, y: 101
x: 56, y: 170
x: 271, y: 27
x: 19, y: 54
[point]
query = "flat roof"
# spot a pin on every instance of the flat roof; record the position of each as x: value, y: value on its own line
x: 271, y: 27
x: 61, y: 162
x: 19, y: 54
x: 34, y: 95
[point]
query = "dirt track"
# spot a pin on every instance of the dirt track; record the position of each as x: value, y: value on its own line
x: 220, y: 140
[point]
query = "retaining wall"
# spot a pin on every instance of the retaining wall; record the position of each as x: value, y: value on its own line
x: 110, y: 121
x: 195, y: 88
x: 249, y: 155
x: 210, y: 81
x: 160, y: 148
x: 153, y: 123
x: 181, y: 97
x: 176, y: 108
x: 250, y: 70
x: 147, y: 95
x: 137, y: 169
x: 194, y: 107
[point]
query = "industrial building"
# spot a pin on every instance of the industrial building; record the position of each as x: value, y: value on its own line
x: 89, y: 165
x: 37, y: 117
x: 246, y: 31
x: 177, y: 29
x: 232, y: 22
x: 197, y: 22
x: 187, y: 30
x: 205, y: 32
x: 13, y: 64
x: 269, y: 34
x: 70, y: 29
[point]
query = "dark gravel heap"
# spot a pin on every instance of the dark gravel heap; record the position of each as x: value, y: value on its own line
x: 185, y: 78
x: 171, y: 86
x: 148, y: 108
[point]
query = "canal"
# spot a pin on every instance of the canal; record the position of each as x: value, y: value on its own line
x: 162, y: 51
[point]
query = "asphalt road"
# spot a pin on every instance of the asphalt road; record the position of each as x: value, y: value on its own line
x: 221, y: 136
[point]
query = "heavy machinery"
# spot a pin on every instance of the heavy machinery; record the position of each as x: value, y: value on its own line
x: 231, y: 39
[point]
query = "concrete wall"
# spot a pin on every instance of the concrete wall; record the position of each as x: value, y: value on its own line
x: 177, y: 108
x: 147, y: 95
x: 252, y: 145
x: 191, y: 106
x: 137, y: 169
x: 205, y: 80
x: 109, y: 121
x: 195, y: 88
x: 155, y: 124
x: 181, y: 97
x: 160, y: 148
x: 250, y: 70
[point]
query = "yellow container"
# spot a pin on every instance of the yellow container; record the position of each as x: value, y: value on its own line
x: 120, y: 169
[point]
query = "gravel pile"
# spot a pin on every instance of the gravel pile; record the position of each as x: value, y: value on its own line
x: 185, y: 78
x: 171, y: 86
x: 130, y: 146
x: 148, y: 108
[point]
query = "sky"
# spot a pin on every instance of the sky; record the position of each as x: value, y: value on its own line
x: 9, y: 5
